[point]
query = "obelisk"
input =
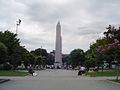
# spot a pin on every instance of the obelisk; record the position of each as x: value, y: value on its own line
x: 58, y: 47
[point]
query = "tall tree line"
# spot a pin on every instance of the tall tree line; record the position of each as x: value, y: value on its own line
x: 12, y: 54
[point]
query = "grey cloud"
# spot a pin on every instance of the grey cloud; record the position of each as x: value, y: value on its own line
x: 79, y: 19
x: 94, y: 28
x: 105, y: 10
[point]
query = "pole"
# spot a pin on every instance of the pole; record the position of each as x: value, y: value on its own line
x: 16, y: 29
x: 17, y: 24
x: 117, y: 76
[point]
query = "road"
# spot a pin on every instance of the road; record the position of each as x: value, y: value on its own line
x: 58, y: 80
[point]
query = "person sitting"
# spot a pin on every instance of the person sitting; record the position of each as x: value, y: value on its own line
x: 95, y: 69
x: 81, y: 70
x: 30, y: 70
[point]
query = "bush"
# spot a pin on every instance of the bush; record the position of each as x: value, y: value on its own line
x: 7, y: 66
x: 1, y: 66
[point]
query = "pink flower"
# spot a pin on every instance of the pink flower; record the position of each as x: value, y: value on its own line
x: 99, y: 48
x: 116, y: 41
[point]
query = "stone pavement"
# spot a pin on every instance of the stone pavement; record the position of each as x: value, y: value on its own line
x: 59, y: 80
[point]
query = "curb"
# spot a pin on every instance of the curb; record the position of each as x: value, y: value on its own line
x: 113, y: 82
x: 4, y: 80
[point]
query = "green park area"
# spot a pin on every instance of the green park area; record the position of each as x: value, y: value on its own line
x: 107, y: 73
x: 12, y: 73
x: 116, y: 81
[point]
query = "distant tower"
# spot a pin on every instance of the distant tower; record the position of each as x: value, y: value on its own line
x: 58, y: 46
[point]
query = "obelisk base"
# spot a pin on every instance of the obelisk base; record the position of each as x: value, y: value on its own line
x: 58, y: 65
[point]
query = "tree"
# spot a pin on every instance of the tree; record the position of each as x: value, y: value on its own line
x: 77, y: 57
x: 15, y: 58
x: 40, y: 52
x: 112, y: 48
x: 102, y: 50
x: 3, y: 53
x: 113, y: 52
x: 10, y: 41
x: 25, y: 56
x: 31, y: 59
x: 90, y: 56
x: 39, y: 60
x: 112, y: 37
x: 65, y: 59
x: 51, y: 59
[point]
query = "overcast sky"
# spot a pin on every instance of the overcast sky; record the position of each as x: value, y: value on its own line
x: 82, y: 21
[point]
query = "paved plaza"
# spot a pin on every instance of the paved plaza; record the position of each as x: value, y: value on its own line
x: 58, y: 80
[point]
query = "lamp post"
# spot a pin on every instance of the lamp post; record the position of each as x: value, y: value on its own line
x: 17, y: 24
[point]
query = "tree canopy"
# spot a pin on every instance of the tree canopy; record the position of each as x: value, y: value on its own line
x: 77, y: 57
x: 106, y: 48
x: 3, y: 53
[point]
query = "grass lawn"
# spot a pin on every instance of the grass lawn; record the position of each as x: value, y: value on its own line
x: 104, y: 73
x: 12, y: 73
x: 116, y: 81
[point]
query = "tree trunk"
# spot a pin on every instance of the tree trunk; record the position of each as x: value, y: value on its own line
x: 110, y: 65
x: 117, y: 76
x: 102, y: 67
